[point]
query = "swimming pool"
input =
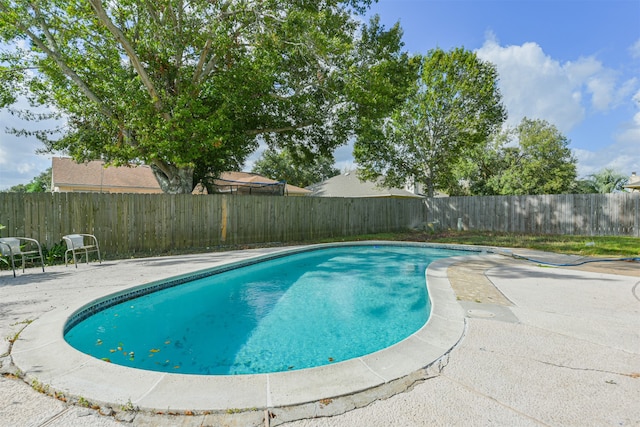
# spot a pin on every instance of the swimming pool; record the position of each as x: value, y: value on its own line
x: 296, y: 311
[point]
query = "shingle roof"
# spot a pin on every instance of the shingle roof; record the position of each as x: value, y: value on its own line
x: 349, y: 185
x: 66, y: 172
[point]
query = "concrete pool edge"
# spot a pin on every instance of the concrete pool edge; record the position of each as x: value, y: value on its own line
x: 42, y: 355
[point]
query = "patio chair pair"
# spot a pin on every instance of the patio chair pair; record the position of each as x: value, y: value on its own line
x: 27, y: 249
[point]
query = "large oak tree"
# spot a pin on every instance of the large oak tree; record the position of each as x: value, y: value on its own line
x: 190, y: 86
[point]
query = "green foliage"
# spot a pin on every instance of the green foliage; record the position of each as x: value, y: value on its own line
x: 295, y: 170
x: 39, y: 184
x: 189, y: 89
x: 605, y: 181
x: 54, y: 254
x: 533, y: 158
x: 454, y: 108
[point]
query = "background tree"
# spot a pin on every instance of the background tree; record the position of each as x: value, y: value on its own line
x: 604, y: 181
x: 39, y: 184
x: 533, y: 158
x: 455, y: 107
x: 189, y: 87
x: 294, y: 170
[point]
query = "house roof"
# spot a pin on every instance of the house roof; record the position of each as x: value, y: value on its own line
x: 349, y: 185
x: 65, y: 172
x: 634, y: 182
x: 248, y: 179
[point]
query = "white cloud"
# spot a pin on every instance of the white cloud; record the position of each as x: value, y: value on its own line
x: 630, y: 132
x: 4, y: 158
x: 621, y: 156
x: 618, y: 157
x: 18, y: 159
x: 634, y: 50
x: 537, y: 86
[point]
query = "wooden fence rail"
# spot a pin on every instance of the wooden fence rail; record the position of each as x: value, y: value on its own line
x: 135, y: 224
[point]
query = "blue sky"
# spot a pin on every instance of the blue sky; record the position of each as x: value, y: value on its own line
x: 574, y: 63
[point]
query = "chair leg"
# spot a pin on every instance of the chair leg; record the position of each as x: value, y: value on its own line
x: 13, y: 265
x: 41, y: 258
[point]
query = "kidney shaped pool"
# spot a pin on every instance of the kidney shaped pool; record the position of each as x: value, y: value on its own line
x: 296, y: 311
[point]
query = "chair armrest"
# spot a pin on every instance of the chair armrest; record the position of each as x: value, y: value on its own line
x: 19, y: 248
x: 92, y: 237
x: 5, y: 249
x: 76, y: 241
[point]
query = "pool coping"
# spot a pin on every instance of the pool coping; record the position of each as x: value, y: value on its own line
x: 43, y: 356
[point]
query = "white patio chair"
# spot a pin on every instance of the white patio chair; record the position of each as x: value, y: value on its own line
x: 82, y: 243
x: 25, y: 248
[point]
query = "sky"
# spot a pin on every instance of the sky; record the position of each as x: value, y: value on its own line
x: 573, y: 63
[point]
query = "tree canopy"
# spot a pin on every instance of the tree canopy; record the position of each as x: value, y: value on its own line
x: 39, y: 184
x: 294, y: 170
x: 455, y: 107
x: 605, y: 181
x: 189, y: 87
x: 532, y: 158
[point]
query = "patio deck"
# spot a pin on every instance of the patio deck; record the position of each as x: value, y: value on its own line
x: 540, y: 346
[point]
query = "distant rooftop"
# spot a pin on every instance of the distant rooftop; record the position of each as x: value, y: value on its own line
x: 349, y: 185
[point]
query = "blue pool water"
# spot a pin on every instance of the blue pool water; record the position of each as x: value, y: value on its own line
x: 299, y: 311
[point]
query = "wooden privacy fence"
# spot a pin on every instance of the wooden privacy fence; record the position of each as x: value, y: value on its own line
x: 616, y: 214
x: 130, y: 224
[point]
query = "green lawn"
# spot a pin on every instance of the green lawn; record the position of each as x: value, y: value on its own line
x: 610, y: 246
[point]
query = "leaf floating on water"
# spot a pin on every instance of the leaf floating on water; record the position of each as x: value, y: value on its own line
x: 155, y: 350
x: 331, y: 359
x: 112, y: 350
x: 119, y: 348
x: 176, y: 367
x: 99, y: 342
x: 167, y: 342
x: 106, y: 359
x: 290, y: 367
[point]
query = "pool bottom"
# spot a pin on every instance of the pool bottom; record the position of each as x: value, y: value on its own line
x: 43, y: 355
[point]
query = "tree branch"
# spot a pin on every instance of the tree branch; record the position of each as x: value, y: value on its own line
x: 278, y: 130
x: 135, y: 61
x: 67, y: 71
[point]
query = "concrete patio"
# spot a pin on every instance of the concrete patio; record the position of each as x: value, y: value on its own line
x: 538, y: 346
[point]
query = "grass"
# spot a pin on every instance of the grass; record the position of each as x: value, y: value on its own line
x: 603, y: 246
x: 607, y: 246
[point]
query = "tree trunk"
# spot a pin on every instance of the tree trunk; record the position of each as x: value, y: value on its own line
x: 173, y: 179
